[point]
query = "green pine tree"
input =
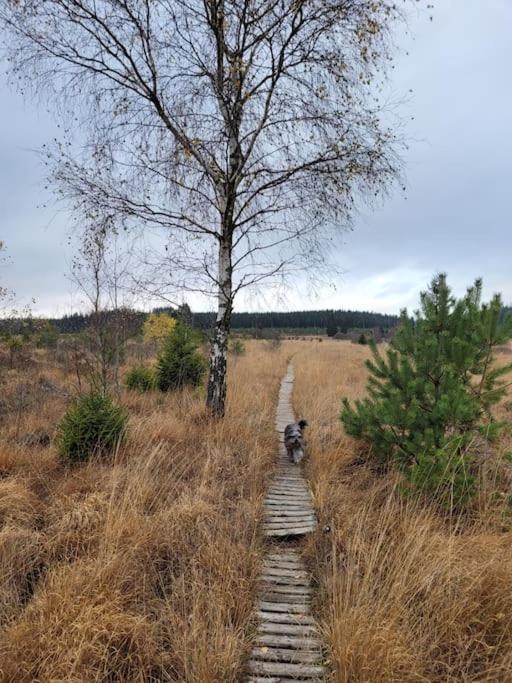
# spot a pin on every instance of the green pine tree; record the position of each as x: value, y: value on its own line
x: 179, y: 363
x: 431, y: 395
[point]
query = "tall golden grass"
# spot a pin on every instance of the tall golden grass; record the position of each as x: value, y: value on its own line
x: 405, y: 592
x: 141, y: 567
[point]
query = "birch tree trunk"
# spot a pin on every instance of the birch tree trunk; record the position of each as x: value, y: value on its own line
x: 217, y: 385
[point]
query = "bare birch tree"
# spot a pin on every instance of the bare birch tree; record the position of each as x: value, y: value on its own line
x: 246, y: 129
x: 100, y: 271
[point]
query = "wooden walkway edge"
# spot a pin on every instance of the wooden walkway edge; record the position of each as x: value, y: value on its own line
x: 287, y: 646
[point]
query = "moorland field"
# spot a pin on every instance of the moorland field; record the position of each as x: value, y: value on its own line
x: 143, y: 566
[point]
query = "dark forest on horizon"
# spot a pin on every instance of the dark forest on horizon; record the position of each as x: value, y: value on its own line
x: 317, y: 321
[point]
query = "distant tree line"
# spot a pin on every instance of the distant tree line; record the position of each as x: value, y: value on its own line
x: 322, y: 321
x: 78, y: 322
x: 312, y: 321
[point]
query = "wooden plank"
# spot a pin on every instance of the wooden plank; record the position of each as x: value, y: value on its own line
x: 275, y: 522
x: 290, y: 564
x: 270, y: 596
x: 273, y: 679
x: 287, y: 555
x: 297, y: 531
x: 294, y: 478
x: 297, y: 619
x: 284, y: 554
x: 287, y: 629
x: 272, y: 504
x: 280, y: 512
x: 303, y: 509
x: 285, y: 562
x: 293, y: 482
x: 279, y: 499
x: 284, y: 606
x: 283, y: 496
x: 289, y: 493
x: 289, y: 525
x: 296, y: 512
x: 284, y: 581
x: 299, y: 579
x: 288, y: 502
x: 286, y: 589
x: 294, y: 507
x: 281, y: 654
x: 286, y: 490
x: 292, y: 573
x: 286, y: 670
x: 293, y: 642
x: 275, y: 500
x: 274, y: 564
x: 290, y: 497
x: 270, y: 517
x: 291, y: 490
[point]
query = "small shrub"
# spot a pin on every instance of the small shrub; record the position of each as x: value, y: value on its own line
x: 179, y: 363
x: 237, y: 347
x: 48, y: 336
x: 140, y: 378
x: 92, y: 425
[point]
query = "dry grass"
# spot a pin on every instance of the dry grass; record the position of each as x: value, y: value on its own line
x: 404, y: 594
x: 142, y: 568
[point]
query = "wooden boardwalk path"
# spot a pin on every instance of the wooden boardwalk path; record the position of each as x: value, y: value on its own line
x: 287, y: 646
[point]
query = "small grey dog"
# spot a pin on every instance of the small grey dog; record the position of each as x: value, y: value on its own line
x: 294, y: 440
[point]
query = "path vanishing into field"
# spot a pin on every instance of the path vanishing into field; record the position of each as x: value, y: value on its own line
x: 287, y: 646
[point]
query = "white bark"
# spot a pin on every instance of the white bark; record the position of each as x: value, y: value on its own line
x: 219, y: 351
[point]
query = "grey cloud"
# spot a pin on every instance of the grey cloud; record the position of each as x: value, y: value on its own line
x: 455, y: 216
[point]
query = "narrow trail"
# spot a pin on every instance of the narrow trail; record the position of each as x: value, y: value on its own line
x: 287, y: 646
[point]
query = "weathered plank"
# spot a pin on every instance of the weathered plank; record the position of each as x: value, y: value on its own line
x: 284, y: 606
x: 287, y: 629
x: 292, y: 531
x: 280, y: 494
x: 288, y: 641
x: 281, y: 573
x: 281, y: 654
x: 289, y: 491
x: 290, y: 501
x: 285, y: 512
x: 282, y: 565
x: 286, y: 670
x: 270, y: 505
x: 286, y: 589
x: 270, y: 596
x: 279, y: 679
x: 272, y: 522
x: 299, y: 619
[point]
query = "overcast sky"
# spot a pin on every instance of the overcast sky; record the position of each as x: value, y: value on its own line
x: 454, y: 217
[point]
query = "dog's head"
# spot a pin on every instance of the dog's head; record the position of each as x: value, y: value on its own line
x: 302, y: 424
